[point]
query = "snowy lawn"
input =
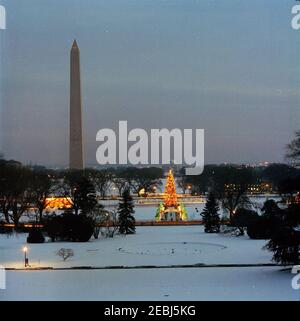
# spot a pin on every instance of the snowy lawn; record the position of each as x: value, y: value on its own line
x: 153, y: 285
x: 166, y: 245
x: 159, y: 246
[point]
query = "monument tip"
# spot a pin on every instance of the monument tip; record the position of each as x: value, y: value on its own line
x: 75, y: 45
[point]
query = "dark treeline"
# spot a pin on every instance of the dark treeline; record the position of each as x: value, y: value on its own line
x: 25, y: 187
x: 230, y: 187
x: 279, y: 178
x: 28, y: 187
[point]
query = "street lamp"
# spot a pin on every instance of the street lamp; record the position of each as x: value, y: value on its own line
x: 26, y: 261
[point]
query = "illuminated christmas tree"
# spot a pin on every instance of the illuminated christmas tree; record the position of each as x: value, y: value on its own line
x: 170, y: 197
x: 171, y: 210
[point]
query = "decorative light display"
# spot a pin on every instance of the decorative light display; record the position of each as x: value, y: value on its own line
x: 170, y: 209
x: 170, y: 195
x: 58, y: 203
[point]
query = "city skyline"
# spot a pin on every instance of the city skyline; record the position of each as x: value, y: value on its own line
x: 156, y: 65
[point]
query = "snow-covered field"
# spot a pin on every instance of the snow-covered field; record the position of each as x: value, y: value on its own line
x: 159, y: 246
x: 164, y: 245
x: 153, y: 285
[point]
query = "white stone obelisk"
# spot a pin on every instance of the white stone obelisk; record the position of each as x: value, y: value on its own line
x: 76, y: 130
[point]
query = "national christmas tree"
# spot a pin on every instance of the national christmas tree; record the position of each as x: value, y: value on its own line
x: 170, y: 198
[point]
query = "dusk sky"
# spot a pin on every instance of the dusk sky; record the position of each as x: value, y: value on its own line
x: 230, y: 67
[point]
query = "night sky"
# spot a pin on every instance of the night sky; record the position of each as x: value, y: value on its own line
x: 230, y: 67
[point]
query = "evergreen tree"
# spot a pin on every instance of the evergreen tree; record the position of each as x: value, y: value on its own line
x: 210, y: 216
x: 126, y: 211
x: 285, y: 241
x: 285, y: 245
x: 84, y: 196
x: 80, y: 191
x: 272, y: 215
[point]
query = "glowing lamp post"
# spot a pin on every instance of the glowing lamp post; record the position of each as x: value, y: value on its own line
x: 26, y: 261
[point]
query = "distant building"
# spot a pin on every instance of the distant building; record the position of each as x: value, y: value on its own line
x: 261, y: 188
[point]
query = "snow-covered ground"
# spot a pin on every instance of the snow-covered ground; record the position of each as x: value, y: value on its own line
x: 153, y: 285
x: 159, y: 246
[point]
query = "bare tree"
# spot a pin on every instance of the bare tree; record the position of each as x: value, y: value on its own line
x: 98, y: 216
x: 121, y: 184
x: 65, y: 253
x: 293, y: 149
x: 79, y: 189
x: 234, y: 200
x: 141, y: 178
x: 15, y: 190
x: 21, y: 197
x: 44, y: 185
x: 183, y: 183
x: 111, y: 223
x: 102, y: 181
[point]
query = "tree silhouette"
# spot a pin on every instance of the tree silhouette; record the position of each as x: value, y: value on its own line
x: 126, y: 211
x: 210, y: 216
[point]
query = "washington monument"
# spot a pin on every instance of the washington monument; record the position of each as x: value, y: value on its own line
x: 76, y: 135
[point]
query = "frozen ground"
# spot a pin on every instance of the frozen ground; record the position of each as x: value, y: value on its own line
x: 159, y: 246
x: 153, y: 285
x: 163, y: 245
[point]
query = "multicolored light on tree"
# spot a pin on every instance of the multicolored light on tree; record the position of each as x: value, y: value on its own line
x: 170, y: 195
